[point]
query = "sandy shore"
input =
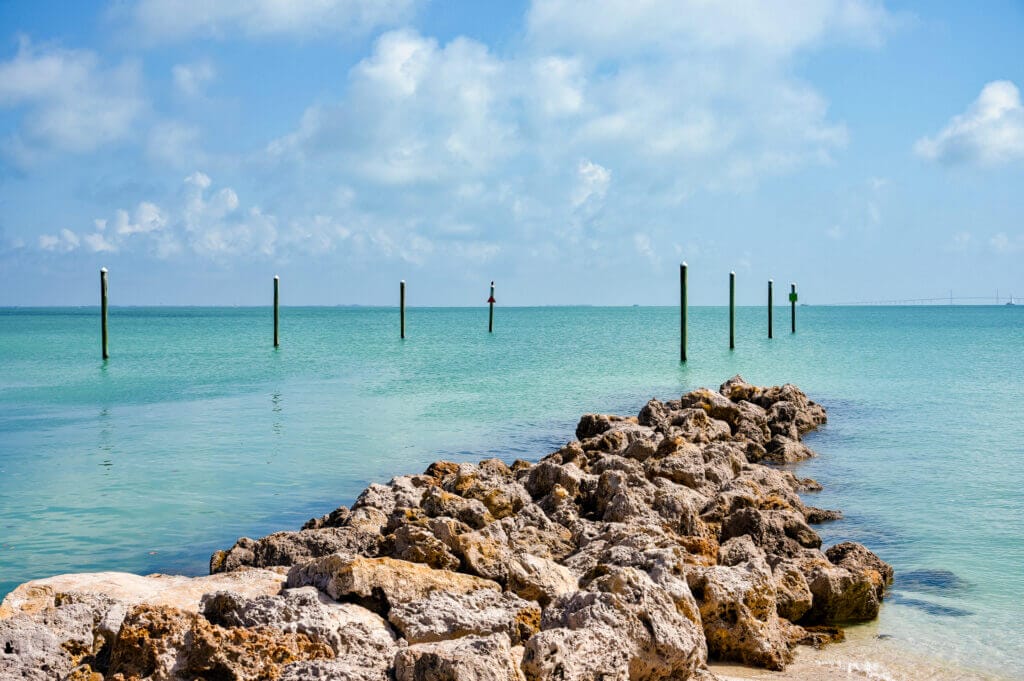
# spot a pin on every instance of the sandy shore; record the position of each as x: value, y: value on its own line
x: 862, y: 657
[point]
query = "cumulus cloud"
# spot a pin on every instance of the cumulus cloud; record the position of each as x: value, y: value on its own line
x: 171, y: 20
x: 64, y: 241
x: 592, y: 183
x: 72, y: 103
x: 190, y: 79
x: 990, y: 132
x: 1003, y: 243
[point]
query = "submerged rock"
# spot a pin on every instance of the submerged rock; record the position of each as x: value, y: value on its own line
x: 637, y: 552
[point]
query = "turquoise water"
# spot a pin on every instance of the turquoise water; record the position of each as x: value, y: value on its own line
x: 196, y: 431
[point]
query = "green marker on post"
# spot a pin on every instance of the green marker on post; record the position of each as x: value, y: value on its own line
x: 792, y: 306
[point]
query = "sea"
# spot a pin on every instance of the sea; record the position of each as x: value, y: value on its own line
x: 197, y: 431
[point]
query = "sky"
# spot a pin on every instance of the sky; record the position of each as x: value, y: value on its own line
x: 575, y: 152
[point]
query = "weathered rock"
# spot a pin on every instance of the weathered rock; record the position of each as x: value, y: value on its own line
x: 443, y: 615
x: 183, y: 593
x: 839, y: 595
x: 358, y: 636
x: 624, y: 626
x: 289, y: 548
x: 737, y: 608
x: 539, y: 579
x: 857, y: 558
x: 779, y: 533
x: 792, y: 594
x: 378, y: 583
x: 30, y: 650
x: 470, y: 658
x: 164, y: 643
x: 419, y: 545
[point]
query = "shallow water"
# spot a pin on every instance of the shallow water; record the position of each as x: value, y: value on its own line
x: 196, y: 431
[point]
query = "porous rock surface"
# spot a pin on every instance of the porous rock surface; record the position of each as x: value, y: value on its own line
x: 636, y: 551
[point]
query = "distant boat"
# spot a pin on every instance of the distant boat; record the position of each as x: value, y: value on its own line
x: 1011, y: 301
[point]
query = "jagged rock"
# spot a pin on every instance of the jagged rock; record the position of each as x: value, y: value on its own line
x: 166, y: 643
x: 792, y: 594
x: 779, y: 533
x: 437, y: 502
x: 839, y: 595
x: 337, y: 518
x: 361, y: 637
x: 737, y: 608
x: 782, y: 449
x: 816, y: 516
x: 470, y: 658
x: 624, y: 626
x: 289, y: 548
x: 442, y: 615
x: 419, y: 545
x: 857, y: 558
x: 539, y: 579
x: 30, y: 650
x: 183, y: 593
x: 380, y: 582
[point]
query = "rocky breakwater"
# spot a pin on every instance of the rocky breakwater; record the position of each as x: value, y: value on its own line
x: 637, y: 551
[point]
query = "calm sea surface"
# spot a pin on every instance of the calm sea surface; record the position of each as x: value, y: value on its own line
x: 197, y: 432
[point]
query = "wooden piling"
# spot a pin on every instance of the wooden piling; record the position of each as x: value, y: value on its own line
x: 103, y: 311
x: 792, y: 307
x: 732, y: 310
x: 277, y: 302
x: 682, y: 312
x: 401, y: 305
x: 490, y: 317
x: 770, y: 284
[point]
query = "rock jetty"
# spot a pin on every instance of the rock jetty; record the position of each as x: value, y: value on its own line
x: 637, y: 551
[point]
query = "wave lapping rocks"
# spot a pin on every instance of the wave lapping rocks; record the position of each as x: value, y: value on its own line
x: 636, y: 551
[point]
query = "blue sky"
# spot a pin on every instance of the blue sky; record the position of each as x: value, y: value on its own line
x: 574, y: 152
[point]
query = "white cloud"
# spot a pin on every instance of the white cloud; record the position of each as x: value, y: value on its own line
x: 1002, y: 243
x: 170, y: 20
x: 71, y: 102
x: 642, y: 244
x: 592, y: 183
x: 175, y: 144
x: 835, y: 232
x: 612, y: 27
x: 990, y: 132
x: 190, y: 79
x: 64, y: 241
x: 98, y: 243
x: 148, y: 218
x: 416, y: 113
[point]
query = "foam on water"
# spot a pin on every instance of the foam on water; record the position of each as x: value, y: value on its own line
x: 197, y: 432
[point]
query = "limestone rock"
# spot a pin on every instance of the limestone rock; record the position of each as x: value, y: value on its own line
x: 624, y: 626
x: 539, y: 579
x: 164, y: 643
x: 738, y: 613
x: 380, y: 583
x: 471, y: 658
x: 443, y: 615
x: 289, y: 548
x: 360, y: 637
